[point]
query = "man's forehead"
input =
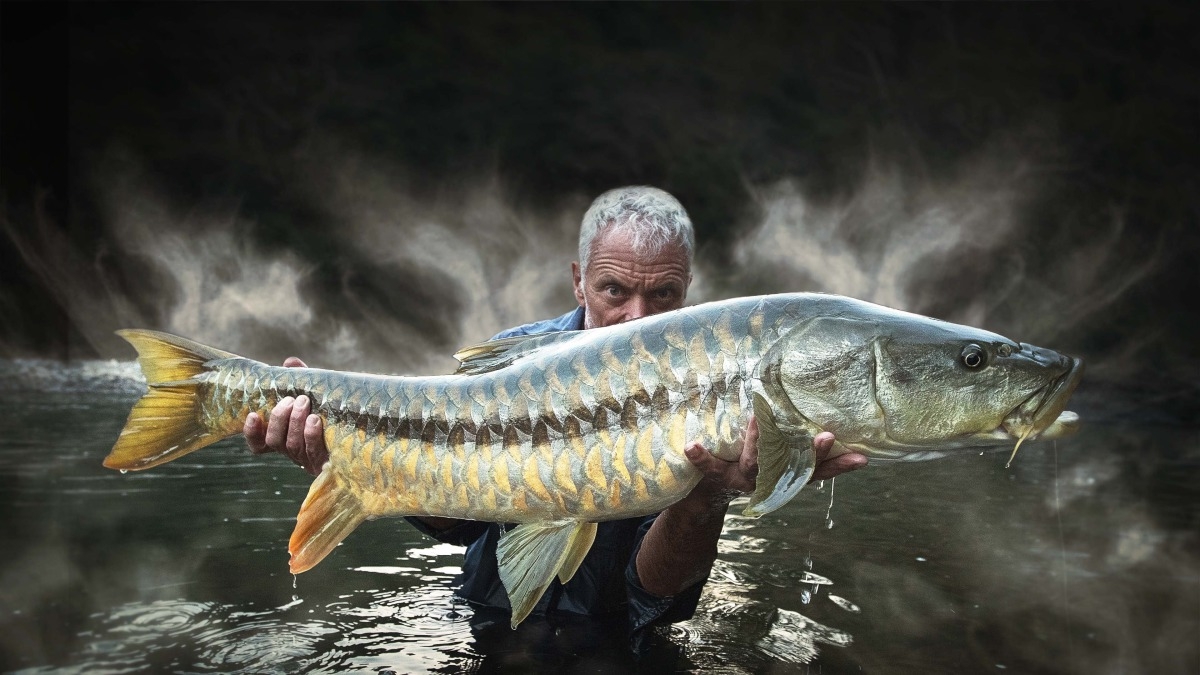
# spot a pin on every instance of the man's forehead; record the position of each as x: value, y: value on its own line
x: 615, y: 246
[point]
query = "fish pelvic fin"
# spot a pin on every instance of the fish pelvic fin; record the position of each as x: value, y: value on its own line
x: 166, y: 423
x: 530, y: 556
x: 328, y: 514
x: 785, y: 462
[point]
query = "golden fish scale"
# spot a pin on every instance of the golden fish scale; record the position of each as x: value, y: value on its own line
x: 598, y: 435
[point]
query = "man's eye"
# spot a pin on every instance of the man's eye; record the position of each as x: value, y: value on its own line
x: 614, y: 291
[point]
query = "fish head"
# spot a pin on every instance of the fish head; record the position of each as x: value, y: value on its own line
x: 893, y: 384
x: 945, y: 385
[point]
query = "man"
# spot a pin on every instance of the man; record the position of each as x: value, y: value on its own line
x: 635, y: 251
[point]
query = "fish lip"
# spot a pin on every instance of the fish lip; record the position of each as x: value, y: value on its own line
x: 1048, y: 405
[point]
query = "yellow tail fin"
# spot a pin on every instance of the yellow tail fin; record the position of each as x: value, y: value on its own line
x: 166, y: 423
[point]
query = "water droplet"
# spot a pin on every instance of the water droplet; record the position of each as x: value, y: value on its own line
x: 920, y: 559
x: 124, y: 470
x: 293, y: 581
x: 808, y: 562
x: 805, y: 597
x: 829, y: 524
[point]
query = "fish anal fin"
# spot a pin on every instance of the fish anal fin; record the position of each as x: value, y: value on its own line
x: 328, y: 514
x: 530, y: 556
x: 785, y: 461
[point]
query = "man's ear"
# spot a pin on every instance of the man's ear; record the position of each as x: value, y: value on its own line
x: 577, y: 277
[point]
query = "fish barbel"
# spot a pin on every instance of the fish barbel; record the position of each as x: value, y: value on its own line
x: 563, y: 430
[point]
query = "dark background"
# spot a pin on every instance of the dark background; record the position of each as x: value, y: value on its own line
x: 245, y: 110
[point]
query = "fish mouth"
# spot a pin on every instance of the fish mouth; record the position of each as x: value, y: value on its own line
x: 1043, y: 415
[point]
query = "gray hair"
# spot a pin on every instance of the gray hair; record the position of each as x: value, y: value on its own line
x: 653, y: 216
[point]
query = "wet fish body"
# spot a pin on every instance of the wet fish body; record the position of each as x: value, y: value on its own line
x: 564, y: 430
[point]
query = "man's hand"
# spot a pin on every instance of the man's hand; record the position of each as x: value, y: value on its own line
x: 291, y: 430
x: 681, y: 545
x: 731, y: 478
x: 294, y: 431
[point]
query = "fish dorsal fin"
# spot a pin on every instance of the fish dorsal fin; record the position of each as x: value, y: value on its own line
x: 329, y: 513
x: 497, y: 354
x: 785, y: 461
x: 530, y: 556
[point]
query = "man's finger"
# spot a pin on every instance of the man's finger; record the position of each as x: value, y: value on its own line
x: 255, y: 434
x: 296, y: 426
x: 713, y: 468
x: 727, y: 475
x: 749, y: 458
x: 314, y: 443
x: 822, y: 444
x: 277, y: 426
x: 839, y: 465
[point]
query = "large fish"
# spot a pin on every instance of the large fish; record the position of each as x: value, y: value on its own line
x: 564, y: 430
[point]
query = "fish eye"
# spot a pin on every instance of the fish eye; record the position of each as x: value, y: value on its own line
x: 1004, y: 350
x: 973, y: 357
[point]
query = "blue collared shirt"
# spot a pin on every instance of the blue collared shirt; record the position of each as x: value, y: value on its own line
x: 606, y: 584
x: 572, y: 320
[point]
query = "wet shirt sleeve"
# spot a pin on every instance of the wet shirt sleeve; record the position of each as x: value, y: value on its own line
x: 460, y: 535
x: 647, y: 610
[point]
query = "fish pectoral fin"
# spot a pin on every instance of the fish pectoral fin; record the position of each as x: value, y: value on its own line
x: 785, y: 462
x: 530, y: 556
x: 328, y: 514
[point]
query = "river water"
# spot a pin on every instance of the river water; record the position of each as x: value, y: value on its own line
x: 1084, y: 557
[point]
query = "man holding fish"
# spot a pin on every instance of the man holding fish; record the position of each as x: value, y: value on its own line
x: 635, y: 252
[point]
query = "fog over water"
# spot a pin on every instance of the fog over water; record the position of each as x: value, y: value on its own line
x: 467, y: 261
x: 371, y: 187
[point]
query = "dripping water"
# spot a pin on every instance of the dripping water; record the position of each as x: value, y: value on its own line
x: 829, y: 511
x: 1062, y: 547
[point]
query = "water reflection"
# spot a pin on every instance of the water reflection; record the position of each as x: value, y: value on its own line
x: 1084, y: 557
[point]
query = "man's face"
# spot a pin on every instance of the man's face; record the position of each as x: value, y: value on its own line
x: 622, y: 285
